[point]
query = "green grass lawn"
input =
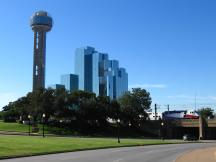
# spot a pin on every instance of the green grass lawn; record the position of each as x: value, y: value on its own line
x: 13, y: 127
x: 15, y: 146
x: 17, y: 127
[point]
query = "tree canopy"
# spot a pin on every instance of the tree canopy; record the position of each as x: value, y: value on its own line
x: 134, y: 105
x: 206, y: 112
x: 84, y: 107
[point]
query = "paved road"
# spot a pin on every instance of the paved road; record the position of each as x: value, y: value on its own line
x: 157, y: 153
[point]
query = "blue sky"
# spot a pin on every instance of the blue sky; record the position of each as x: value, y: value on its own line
x: 168, y: 47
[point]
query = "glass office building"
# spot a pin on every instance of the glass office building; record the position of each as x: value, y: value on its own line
x: 98, y: 74
x: 117, y: 80
x: 122, y: 83
x: 83, y: 67
x: 56, y: 86
x: 99, y: 67
x: 70, y: 81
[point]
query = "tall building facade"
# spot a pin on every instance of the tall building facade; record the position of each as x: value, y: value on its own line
x: 98, y: 74
x: 70, y: 82
x: 56, y: 86
x: 40, y: 23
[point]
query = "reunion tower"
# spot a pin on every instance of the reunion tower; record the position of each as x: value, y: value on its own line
x: 40, y: 24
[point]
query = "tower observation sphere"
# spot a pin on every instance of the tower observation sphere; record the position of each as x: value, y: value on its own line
x: 40, y: 23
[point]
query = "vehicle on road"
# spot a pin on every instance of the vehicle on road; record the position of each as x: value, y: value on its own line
x: 189, y: 137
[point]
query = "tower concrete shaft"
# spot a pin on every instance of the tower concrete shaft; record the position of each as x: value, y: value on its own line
x: 39, y: 59
x: 40, y: 23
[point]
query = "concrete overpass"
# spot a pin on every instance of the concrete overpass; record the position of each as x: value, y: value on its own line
x: 194, y: 123
x: 201, y: 128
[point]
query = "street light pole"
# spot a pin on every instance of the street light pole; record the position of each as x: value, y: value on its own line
x: 29, y: 117
x: 118, y: 121
x: 129, y: 125
x: 43, y: 116
x: 162, y: 135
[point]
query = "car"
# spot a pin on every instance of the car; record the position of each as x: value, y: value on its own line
x: 189, y: 137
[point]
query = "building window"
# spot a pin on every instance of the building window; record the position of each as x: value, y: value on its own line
x: 36, y: 70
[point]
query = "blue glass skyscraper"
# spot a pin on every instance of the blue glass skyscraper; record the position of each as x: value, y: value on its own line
x: 98, y: 74
x: 83, y: 67
x: 70, y: 81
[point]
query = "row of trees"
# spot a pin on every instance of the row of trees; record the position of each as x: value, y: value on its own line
x: 81, y: 106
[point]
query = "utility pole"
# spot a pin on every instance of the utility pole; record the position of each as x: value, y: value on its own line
x: 168, y: 107
x: 155, y: 111
x: 195, y: 101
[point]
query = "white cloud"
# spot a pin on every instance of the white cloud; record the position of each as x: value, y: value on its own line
x: 7, y: 97
x: 147, y: 86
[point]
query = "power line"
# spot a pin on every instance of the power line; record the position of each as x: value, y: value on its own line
x: 170, y: 107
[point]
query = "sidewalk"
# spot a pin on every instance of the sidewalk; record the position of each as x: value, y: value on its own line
x: 200, y: 155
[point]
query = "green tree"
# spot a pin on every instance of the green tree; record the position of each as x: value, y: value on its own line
x: 1, y: 115
x: 134, y: 105
x: 9, y: 113
x: 60, y: 103
x: 47, y: 104
x: 40, y: 101
x: 22, y: 105
x: 114, y: 110
x: 206, y: 112
x: 102, y: 107
x: 86, y: 106
x: 34, y: 106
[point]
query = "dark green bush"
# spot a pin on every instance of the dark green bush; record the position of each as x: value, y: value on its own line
x: 10, y: 116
